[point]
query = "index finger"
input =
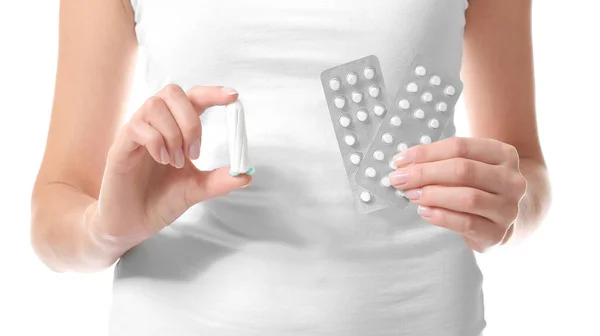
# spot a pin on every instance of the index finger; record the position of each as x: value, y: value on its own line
x: 488, y: 151
x: 203, y: 97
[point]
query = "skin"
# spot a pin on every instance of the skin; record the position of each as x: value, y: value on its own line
x: 92, y: 201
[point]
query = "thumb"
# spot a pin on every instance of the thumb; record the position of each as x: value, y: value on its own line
x: 215, y: 183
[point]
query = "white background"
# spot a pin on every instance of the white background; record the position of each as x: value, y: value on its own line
x: 547, y: 286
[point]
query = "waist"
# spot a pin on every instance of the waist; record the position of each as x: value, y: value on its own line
x: 274, y: 289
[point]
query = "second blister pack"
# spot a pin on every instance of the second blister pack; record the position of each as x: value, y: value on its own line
x: 422, y: 109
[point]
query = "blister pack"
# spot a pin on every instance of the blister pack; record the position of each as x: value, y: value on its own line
x: 358, y: 102
x: 421, y: 111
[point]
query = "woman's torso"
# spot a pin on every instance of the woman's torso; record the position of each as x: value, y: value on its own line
x: 290, y: 255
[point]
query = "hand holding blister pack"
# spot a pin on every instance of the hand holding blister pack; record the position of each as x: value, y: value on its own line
x: 371, y: 132
x: 422, y: 110
x: 238, y: 140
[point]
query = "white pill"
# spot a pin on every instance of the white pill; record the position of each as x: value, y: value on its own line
x: 369, y: 73
x: 385, y: 181
x: 396, y: 121
x: 401, y: 147
x: 345, y: 121
x: 435, y: 80
x: 355, y: 158
x: 350, y: 140
x: 419, y: 114
x: 400, y: 193
x: 379, y: 110
x: 420, y: 71
x: 339, y: 102
x: 425, y: 139
x: 357, y: 97
x: 335, y: 84
x: 365, y: 196
x: 412, y: 88
x: 374, y: 91
x: 387, y: 138
x: 392, y: 165
x: 378, y: 155
x: 362, y: 115
x: 370, y: 172
x: 441, y: 107
x: 450, y: 91
x: 427, y: 97
x: 434, y: 123
x: 352, y: 78
x: 404, y: 104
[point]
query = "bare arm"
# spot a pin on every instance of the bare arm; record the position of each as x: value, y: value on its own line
x: 500, y: 97
x: 97, y: 50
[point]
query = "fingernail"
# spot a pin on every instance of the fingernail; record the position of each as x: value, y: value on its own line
x: 247, y: 183
x: 228, y: 90
x: 195, y: 150
x: 413, y: 194
x: 179, y: 159
x: 404, y: 158
x: 424, y: 211
x: 164, y: 156
x: 399, y: 177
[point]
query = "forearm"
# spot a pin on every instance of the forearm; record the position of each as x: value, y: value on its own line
x: 62, y: 233
x: 534, y: 205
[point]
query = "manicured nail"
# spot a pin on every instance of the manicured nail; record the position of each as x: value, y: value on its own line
x: 399, y: 177
x: 424, y: 211
x: 195, y: 150
x: 413, y: 194
x: 179, y: 159
x: 164, y: 156
x: 229, y: 90
x: 404, y: 158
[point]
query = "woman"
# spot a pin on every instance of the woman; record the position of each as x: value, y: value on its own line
x: 289, y: 255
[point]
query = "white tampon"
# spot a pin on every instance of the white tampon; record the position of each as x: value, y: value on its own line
x: 238, y: 141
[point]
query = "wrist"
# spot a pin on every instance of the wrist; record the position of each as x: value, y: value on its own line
x: 102, y: 248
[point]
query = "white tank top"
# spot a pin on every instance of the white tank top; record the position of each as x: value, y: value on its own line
x: 290, y: 254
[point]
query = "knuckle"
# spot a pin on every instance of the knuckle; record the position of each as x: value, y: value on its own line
x: 417, y: 173
x: 173, y: 140
x: 153, y: 103
x: 459, y: 147
x: 519, y: 184
x: 510, y: 151
x: 129, y: 130
x: 190, y: 130
x: 172, y: 90
x: 463, y: 170
x: 522, y: 184
x: 468, y: 225
x: 417, y: 153
x: 470, y: 200
x: 427, y: 195
x: 155, y: 141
